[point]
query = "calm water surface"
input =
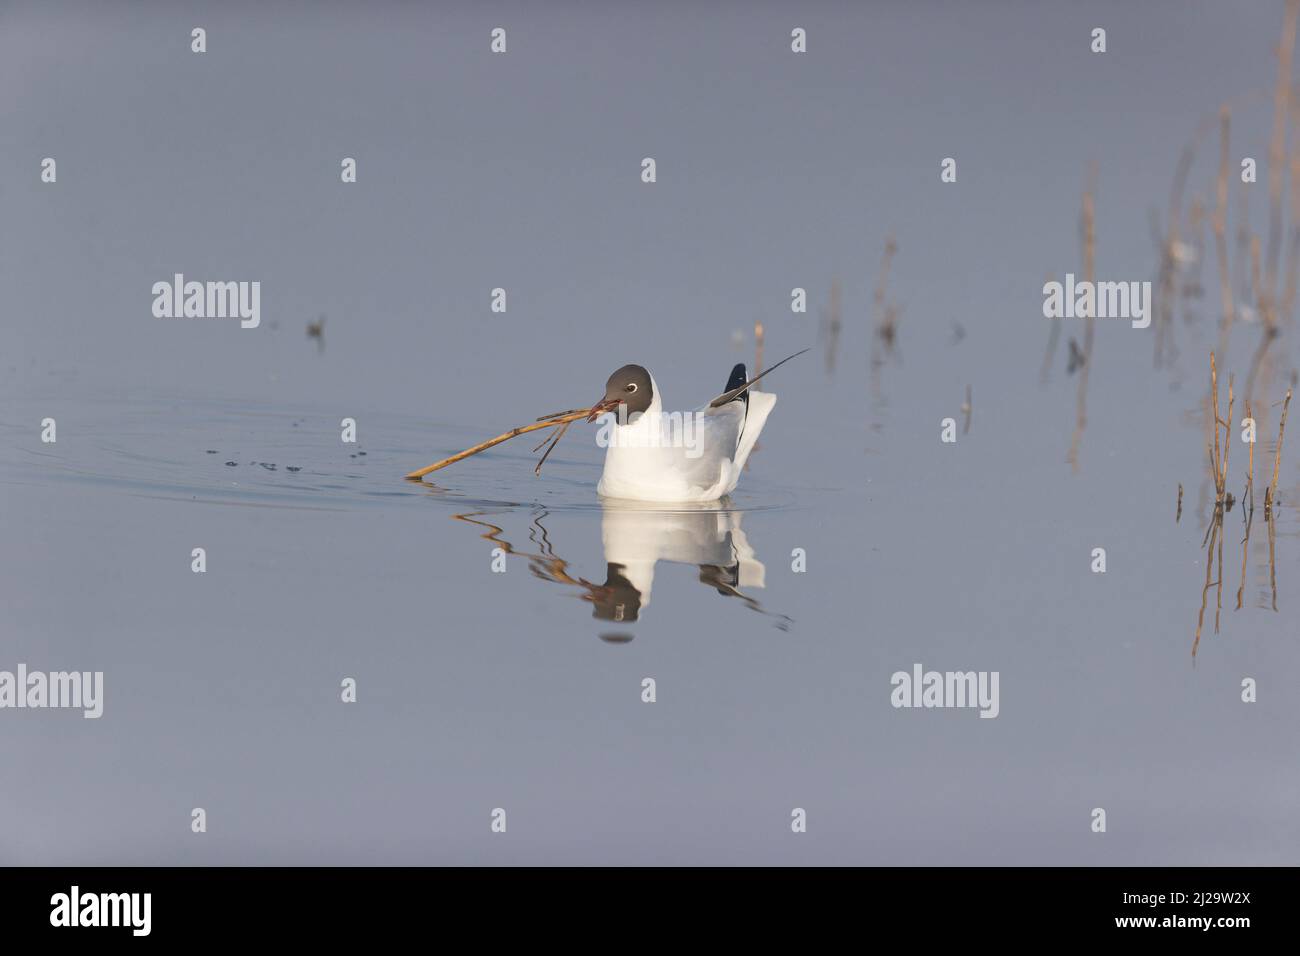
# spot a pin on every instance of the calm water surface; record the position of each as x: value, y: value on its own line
x: 522, y: 689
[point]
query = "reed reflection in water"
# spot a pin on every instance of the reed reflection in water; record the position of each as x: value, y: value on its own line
x: 1224, y: 500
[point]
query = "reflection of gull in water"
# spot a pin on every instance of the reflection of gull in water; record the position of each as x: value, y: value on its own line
x: 636, y: 536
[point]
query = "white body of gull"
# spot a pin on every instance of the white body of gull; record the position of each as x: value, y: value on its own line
x: 696, y: 456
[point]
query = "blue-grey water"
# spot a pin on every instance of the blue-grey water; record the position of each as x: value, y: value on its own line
x: 522, y: 690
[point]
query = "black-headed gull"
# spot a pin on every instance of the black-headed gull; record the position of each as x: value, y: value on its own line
x: 653, y: 455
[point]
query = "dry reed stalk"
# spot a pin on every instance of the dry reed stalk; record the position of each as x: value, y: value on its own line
x: 885, y: 330
x: 1268, y: 299
x: 834, y: 322
x: 1168, y: 264
x: 1256, y: 286
x: 1196, y: 220
x: 1220, y: 225
x: 1227, y: 440
x: 1250, y: 473
x: 1214, y: 476
x: 1052, y: 338
x: 1277, y: 454
x: 1215, y: 420
x: 1172, y: 238
x: 1267, y: 314
x: 553, y: 415
x: 1089, y: 268
x: 559, y: 420
x: 882, y: 280
x: 1277, y: 143
x: 555, y: 440
x: 1293, y: 256
x: 1257, y: 361
x: 883, y: 316
x: 1242, y: 258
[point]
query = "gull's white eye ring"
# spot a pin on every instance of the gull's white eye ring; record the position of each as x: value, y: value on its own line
x: 631, y: 388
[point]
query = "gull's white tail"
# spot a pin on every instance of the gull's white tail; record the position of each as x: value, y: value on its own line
x: 760, y: 406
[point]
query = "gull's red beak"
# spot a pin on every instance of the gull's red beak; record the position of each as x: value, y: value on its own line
x: 601, y: 407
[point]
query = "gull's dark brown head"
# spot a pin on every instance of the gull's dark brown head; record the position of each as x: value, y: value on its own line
x: 629, y: 386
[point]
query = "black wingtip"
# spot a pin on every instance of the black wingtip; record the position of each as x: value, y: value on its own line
x: 737, y: 379
x: 743, y: 388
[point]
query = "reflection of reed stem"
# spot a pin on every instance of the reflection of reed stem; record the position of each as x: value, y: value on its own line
x: 1248, y: 511
x: 1272, y: 538
x: 1277, y: 454
x: 546, y: 566
x: 1218, y: 607
x: 1209, y: 568
x: 1245, y: 547
x: 1214, y: 476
